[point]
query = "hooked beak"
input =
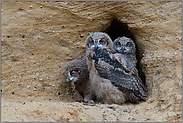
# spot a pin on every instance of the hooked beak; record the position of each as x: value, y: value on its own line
x: 123, y: 48
x: 69, y: 79
x: 96, y: 46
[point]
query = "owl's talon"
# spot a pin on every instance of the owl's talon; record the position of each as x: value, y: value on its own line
x: 89, y: 103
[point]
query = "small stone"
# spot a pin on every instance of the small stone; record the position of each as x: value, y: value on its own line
x: 111, y: 107
x: 53, y: 85
x: 19, y: 83
x: 41, y: 7
x: 28, y: 86
x: 136, y: 111
x: 31, y: 6
x: 19, y: 101
x: 16, y: 108
x: 47, y: 85
x: 81, y: 36
x: 41, y: 80
x: 89, y: 104
x: 127, y: 110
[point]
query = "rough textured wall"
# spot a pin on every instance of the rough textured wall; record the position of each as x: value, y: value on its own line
x: 39, y: 38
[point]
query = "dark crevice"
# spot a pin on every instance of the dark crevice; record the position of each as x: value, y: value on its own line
x: 119, y: 29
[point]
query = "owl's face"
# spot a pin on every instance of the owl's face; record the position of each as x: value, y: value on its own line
x: 98, y: 40
x: 72, y: 75
x: 124, y: 45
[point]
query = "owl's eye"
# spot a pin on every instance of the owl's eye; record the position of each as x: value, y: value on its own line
x: 92, y: 42
x: 119, y: 45
x: 127, y: 45
x: 101, y: 41
x: 73, y: 73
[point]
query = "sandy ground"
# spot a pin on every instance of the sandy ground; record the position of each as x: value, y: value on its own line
x: 39, y: 38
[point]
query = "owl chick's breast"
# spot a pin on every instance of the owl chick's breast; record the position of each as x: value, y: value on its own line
x: 109, y: 68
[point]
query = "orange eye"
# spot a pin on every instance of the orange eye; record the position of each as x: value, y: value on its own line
x: 72, y: 73
x: 92, y: 42
x: 127, y: 45
x: 119, y: 45
x: 101, y: 41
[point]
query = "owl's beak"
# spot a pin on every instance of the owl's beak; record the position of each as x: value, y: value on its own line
x: 122, y: 48
x: 96, y: 46
x: 69, y: 79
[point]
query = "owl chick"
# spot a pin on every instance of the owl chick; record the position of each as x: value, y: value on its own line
x: 77, y: 74
x: 126, y: 46
x: 112, y: 75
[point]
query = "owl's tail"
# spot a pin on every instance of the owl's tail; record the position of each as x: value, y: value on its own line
x: 142, y: 89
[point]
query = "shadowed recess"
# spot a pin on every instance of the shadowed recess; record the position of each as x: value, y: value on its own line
x: 119, y: 29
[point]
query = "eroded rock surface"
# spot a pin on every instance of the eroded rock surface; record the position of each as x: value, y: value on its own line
x: 39, y: 38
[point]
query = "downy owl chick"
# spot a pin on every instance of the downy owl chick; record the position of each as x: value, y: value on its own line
x: 77, y: 74
x: 113, y: 77
x: 126, y: 46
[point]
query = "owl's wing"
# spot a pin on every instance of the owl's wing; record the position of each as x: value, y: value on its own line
x: 127, y: 65
x: 122, y: 74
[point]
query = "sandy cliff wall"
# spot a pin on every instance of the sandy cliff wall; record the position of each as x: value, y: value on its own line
x: 39, y: 38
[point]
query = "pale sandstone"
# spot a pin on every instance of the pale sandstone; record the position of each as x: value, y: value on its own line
x: 39, y: 38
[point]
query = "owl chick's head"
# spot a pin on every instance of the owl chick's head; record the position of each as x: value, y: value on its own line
x: 76, y: 70
x: 72, y: 75
x: 124, y: 45
x: 98, y: 40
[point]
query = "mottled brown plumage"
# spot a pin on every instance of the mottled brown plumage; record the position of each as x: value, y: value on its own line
x: 77, y: 74
x: 126, y: 46
x: 113, y: 77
